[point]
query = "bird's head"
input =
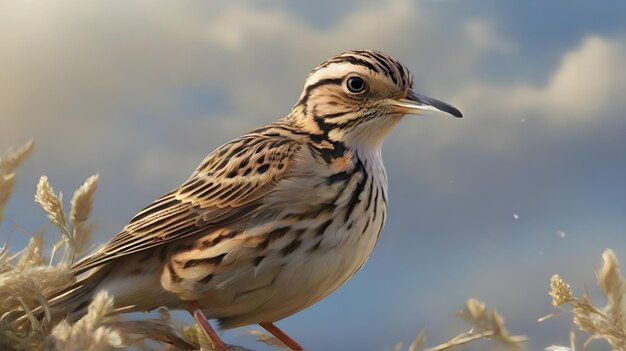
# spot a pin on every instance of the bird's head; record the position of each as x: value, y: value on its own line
x: 359, y: 96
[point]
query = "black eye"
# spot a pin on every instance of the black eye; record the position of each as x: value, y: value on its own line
x: 355, y: 84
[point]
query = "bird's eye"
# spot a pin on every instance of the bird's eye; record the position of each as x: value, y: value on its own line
x: 355, y: 84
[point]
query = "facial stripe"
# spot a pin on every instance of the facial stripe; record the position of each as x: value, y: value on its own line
x: 359, y: 62
x: 383, y: 61
x: 307, y: 91
x: 374, y: 61
x: 331, y: 112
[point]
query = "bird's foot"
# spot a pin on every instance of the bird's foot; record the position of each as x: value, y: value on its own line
x: 282, y: 336
x: 211, y: 334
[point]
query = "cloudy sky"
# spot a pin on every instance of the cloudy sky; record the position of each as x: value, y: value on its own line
x: 140, y: 91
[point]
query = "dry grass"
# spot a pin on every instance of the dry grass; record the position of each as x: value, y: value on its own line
x: 598, y: 322
x: 8, y: 163
x: 485, y: 324
x: 28, y: 276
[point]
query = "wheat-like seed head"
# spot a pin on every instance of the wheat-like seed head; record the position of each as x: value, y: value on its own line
x: 606, y: 322
x: 33, y: 254
x: 82, y: 201
x: 82, y: 204
x: 8, y: 163
x: 51, y: 203
x: 559, y: 290
x: 612, y: 283
x: 7, y: 181
x: 90, y: 332
x: 10, y: 160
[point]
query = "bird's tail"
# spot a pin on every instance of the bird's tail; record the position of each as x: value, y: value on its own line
x: 70, y: 303
x: 73, y: 302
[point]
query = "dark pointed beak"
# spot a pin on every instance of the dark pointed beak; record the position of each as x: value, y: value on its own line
x: 418, y: 104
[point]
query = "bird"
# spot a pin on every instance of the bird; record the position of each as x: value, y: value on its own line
x: 273, y: 221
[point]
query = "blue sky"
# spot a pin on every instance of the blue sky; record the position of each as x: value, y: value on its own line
x: 141, y: 91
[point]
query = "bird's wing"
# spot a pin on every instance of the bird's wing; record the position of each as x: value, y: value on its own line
x: 228, y: 187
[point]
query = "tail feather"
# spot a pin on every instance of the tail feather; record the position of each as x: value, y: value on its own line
x: 71, y: 303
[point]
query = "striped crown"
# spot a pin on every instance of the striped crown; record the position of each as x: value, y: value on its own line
x: 345, y: 97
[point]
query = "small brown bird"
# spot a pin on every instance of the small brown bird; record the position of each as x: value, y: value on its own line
x: 273, y: 221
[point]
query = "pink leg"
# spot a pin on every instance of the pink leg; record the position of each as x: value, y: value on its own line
x: 197, y: 314
x: 280, y: 335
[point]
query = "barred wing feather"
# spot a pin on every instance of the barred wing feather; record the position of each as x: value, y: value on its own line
x: 229, y: 186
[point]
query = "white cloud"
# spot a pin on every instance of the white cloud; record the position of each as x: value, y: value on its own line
x: 589, y: 80
x: 77, y: 74
x: 587, y: 84
x: 93, y: 82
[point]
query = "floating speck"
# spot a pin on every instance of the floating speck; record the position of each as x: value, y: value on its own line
x: 515, y: 216
x: 523, y: 120
x: 560, y: 233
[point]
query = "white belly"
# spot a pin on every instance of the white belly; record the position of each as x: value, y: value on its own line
x: 307, y: 281
x: 285, y: 286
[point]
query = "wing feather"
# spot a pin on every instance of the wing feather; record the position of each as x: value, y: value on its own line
x: 227, y: 187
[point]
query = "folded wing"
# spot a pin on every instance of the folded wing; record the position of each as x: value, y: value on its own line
x: 228, y: 187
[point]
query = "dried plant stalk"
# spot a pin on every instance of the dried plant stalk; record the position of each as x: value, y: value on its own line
x: 52, y: 204
x: 268, y: 339
x: 419, y: 341
x: 82, y: 201
x: 82, y: 204
x: 486, y: 324
x: 7, y: 181
x: 13, y: 158
x: 612, y: 284
x: 606, y: 322
x: 91, y: 331
x: 8, y: 163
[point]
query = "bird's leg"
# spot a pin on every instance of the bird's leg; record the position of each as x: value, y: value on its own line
x: 280, y: 335
x: 197, y: 314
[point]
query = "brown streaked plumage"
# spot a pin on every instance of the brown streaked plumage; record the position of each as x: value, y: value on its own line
x: 272, y: 221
